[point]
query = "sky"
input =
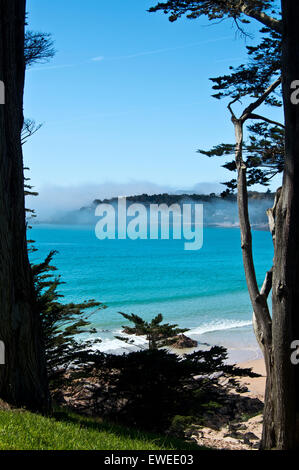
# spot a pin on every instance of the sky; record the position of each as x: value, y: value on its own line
x: 126, y: 101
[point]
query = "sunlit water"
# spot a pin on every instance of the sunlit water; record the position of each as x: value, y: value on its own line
x: 202, y: 290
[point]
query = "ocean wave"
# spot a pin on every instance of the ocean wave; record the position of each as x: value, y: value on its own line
x: 218, y: 326
x: 116, y: 346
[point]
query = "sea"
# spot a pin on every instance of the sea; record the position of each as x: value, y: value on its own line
x: 204, y: 291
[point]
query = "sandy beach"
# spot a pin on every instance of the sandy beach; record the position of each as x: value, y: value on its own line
x: 256, y: 386
x: 242, y: 434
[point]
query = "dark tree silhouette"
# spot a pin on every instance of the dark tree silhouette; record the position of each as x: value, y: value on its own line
x: 23, y: 379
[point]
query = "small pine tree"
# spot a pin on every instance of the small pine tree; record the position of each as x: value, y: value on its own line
x: 157, y: 334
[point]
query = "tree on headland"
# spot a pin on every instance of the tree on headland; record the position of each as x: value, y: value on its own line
x: 275, y: 333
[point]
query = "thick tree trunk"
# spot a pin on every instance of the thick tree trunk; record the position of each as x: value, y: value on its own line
x: 275, y: 335
x: 23, y: 380
x: 285, y: 292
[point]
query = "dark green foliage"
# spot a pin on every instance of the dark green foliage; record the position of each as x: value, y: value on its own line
x: 264, y: 151
x: 170, y: 199
x: 213, y: 9
x: 62, y: 324
x: 30, y: 213
x: 151, y: 384
x: 148, y: 388
x: 240, y: 11
x: 157, y: 334
x: 263, y: 154
x: 253, y: 78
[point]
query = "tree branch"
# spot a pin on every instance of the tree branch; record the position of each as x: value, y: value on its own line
x: 229, y: 107
x: 271, y: 213
x: 261, y: 317
x: 263, y: 18
x: 263, y: 118
x: 267, y: 284
x: 262, y: 326
x: 260, y: 100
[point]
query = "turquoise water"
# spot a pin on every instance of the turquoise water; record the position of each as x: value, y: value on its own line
x: 202, y: 290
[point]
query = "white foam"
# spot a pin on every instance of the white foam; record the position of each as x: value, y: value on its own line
x: 114, y: 344
x: 219, y: 325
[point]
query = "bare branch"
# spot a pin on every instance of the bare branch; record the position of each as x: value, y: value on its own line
x: 267, y: 284
x: 262, y: 326
x: 38, y: 48
x: 263, y: 118
x: 271, y: 213
x: 229, y: 107
x: 29, y: 129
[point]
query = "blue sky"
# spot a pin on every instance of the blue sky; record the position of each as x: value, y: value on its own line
x: 126, y: 100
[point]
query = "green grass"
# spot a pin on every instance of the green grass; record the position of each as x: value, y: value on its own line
x: 22, y: 430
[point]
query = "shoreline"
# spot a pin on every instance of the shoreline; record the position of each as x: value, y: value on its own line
x: 240, y: 343
x: 256, y: 385
x: 239, y: 434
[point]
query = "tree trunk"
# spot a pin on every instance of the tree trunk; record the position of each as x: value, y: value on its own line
x: 280, y: 430
x: 282, y: 415
x: 261, y: 316
x: 23, y: 380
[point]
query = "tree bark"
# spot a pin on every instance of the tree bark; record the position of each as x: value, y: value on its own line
x: 23, y: 380
x: 285, y: 293
x: 261, y: 316
x: 281, y: 413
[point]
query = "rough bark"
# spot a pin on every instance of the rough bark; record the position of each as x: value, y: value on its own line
x: 285, y: 298
x: 280, y: 430
x: 23, y: 379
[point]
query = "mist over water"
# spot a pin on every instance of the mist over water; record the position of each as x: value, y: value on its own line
x: 56, y: 202
x: 217, y: 212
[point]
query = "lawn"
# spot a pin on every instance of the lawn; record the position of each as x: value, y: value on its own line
x: 22, y: 430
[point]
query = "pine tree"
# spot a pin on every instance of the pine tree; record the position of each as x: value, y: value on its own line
x: 158, y: 334
x: 62, y: 323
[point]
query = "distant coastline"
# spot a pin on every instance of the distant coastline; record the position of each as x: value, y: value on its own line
x: 218, y: 211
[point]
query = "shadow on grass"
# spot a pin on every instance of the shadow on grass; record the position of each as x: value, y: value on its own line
x: 99, y: 425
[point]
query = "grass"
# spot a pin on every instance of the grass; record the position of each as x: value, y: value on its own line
x: 22, y: 430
